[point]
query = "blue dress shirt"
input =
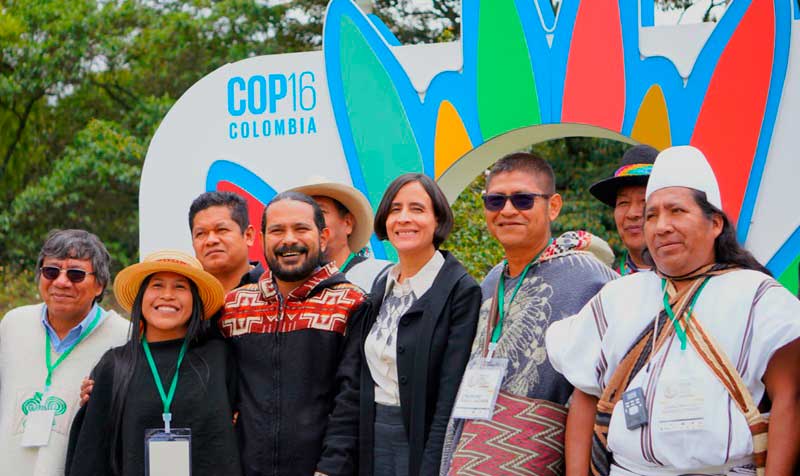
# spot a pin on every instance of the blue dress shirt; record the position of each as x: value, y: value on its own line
x: 72, y: 336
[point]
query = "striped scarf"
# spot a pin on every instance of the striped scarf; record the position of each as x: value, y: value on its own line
x: 643, y: 349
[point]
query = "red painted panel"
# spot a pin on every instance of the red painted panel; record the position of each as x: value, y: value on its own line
x: 594, y: 88
x: 254, y: 210
x: 730, y: 119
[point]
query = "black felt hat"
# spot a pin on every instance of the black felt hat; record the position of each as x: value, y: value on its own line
x: 634, y: 169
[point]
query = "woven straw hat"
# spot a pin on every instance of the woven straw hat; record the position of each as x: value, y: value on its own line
x: 355, y: 202
x: 129, y: 280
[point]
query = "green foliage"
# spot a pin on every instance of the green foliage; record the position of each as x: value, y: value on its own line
x: 470, y: 241
x: 93, y: 186
x: 18, y: 288
x: 578, y: 162
x: 84, y: 84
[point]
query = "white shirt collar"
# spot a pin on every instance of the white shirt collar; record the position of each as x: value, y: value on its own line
x: 420, y: 282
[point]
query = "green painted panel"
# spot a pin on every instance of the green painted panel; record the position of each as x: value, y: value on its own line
x: 507, y: 97
x: 789, y: 276
x: 382, y: 133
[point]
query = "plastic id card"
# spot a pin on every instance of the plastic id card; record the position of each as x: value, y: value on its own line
x: 168, y: 454
x: 681, y: 405
x: 479, y: 389
x: 38, y: 425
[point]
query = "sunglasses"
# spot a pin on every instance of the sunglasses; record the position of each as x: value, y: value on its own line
x: 494, y: 202
x: 51, y: 273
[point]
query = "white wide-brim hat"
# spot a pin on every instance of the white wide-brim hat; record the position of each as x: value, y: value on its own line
x: 129, y: 280
x: 355, y: 202
x: 684, y: 166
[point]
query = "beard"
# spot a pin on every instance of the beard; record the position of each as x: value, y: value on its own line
x: 299, y: 272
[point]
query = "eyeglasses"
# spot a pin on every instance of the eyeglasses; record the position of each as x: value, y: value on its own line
x: 75, y: 275
x: 494, y: 202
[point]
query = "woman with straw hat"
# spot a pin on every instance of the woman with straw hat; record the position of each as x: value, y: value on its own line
x: 162, y: 403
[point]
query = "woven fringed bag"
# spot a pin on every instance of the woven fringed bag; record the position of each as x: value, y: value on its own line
x: 524, y: 437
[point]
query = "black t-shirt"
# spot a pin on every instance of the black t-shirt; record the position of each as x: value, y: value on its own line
x: 252, y: 276
x: 203, y: 402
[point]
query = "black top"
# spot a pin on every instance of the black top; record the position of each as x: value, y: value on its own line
x: 252, y: 276
x: 202, y: 402
x: 433, y: 346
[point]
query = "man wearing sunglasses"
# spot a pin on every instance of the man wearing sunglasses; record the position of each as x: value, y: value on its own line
x: 45, y: 350
x: 541, y: 280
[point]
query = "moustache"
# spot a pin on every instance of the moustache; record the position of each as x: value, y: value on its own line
x: 282, y: 250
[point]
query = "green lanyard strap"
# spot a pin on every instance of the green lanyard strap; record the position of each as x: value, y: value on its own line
x: 347, y: 261
x: 678, y: 329
x: 501, y: 295
x: 623, y: 261
x: 166, y: 399
x: 51, y: 367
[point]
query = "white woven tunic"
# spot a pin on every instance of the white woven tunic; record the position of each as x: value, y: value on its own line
x: 749, y: 315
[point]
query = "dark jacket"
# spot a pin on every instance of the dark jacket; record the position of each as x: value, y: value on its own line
x: 433, y: 347
x: 288, y: 352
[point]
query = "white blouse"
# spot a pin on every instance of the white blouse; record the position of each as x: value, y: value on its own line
x: 381, y: 343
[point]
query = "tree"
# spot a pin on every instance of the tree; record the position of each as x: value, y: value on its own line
x: 93, y: 186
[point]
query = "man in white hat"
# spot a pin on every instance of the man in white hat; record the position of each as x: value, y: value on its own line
x: 348, y: 216
x: 46, y: 348
x: 726, y: 339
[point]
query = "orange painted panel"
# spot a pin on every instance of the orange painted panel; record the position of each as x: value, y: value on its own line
x: 652, y: 121
x: 729, y: 123
x: 594, y: 87
x: 452, y: 140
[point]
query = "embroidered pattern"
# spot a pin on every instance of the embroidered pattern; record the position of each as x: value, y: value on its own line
x: 256, y: 308
x: 52, y: 402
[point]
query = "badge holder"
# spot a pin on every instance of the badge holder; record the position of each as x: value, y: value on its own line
x: 479, y: 388
x: 168, y: 451
x: 680, y: 399
x: 38, y: 422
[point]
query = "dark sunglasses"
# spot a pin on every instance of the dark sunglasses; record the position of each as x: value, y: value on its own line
x: 51, y: 273
x: 494, y: 202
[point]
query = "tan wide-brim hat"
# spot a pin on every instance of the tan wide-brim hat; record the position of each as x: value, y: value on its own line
x: 352, y: 199
x: 129, y: 280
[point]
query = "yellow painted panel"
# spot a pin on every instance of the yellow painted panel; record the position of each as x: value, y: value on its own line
x: 652, y: 122
x: 452, y: 140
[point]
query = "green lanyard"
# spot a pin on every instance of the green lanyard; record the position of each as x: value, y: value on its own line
x: 347, y: 261
x: 165, y: 399
x: 678, y: 329
x: 51, y: 367
x: 501, y: 297
x: 623, y: 269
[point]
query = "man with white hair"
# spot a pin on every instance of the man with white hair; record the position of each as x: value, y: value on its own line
x: 681, y: 357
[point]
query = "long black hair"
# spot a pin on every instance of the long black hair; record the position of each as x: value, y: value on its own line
x: 127, y: 359
x: 727, y: 249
